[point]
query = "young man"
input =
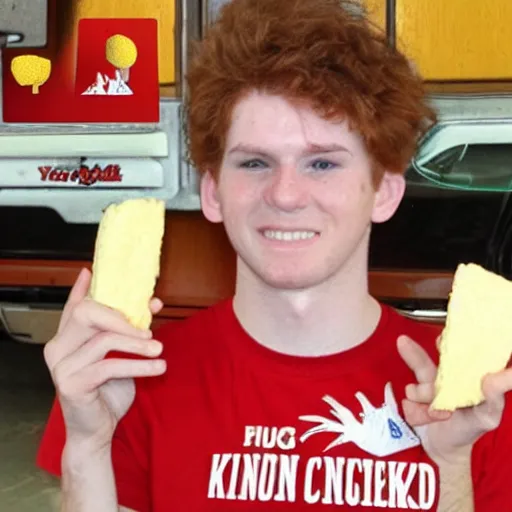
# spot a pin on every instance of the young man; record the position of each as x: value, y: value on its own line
x: 301, y: 392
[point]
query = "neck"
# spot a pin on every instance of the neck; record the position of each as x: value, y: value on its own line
x: 329, y: 318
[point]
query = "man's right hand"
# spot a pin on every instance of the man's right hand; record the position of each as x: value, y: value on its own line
x: 95, y: 392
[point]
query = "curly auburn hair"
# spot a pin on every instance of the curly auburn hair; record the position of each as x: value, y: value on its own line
x: 318, y: 53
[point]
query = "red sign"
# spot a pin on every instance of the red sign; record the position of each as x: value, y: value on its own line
x: 83, y: 175
x: 111, y: 78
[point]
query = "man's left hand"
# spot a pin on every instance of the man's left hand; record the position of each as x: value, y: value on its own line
x: 448, y: 437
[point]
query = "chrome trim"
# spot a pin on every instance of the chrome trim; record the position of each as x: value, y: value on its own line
x: 478, y: 107
x: 13, y: 38
x: 187, y: 29
x: 1, y: 88
x: 429, y: 315
x: 450, y: 135
x: 120, y: 145
x: 391, y: 22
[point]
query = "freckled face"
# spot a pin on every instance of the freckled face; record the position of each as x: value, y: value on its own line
x: 295, y: 193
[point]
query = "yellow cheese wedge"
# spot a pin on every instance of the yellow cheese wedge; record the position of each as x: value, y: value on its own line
x: 127, y: 258
x: 477, y: 338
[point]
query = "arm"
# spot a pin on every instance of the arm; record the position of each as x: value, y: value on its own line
x: 88, y: 482
x: 456, y: 487
x: 95, y: 393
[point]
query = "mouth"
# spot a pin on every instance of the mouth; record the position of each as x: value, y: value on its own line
x: 297, y: 235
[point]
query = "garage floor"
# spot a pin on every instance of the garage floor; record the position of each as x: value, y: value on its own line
x: 26, y: 394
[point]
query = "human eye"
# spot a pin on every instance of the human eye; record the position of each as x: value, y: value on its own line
x: 323, y: 165
x: 254, y: 163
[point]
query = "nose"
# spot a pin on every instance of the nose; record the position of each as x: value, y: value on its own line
x: 287, y: 189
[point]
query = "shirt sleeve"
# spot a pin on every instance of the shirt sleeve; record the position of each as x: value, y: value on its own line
x: 130, y: 454
x: 492, y: 466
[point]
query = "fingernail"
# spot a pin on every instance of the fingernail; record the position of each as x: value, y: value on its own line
x: 155, y: 347
x: 160, y: 365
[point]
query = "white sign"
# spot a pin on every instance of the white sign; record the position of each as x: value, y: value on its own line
x: 86, y: 173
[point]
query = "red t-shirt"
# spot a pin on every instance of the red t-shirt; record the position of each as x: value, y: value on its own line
x: 233, y: 426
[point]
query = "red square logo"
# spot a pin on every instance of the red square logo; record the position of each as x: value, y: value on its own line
x: 111, y: 78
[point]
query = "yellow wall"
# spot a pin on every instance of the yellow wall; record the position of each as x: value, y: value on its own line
x: 376, y: 11
x: 164, y: 11
x: 448, y: 39
x: 457, y: 39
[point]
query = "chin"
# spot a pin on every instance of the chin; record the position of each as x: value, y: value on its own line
x: 286, y: 279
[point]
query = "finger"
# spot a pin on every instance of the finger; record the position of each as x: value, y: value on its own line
x: 78, y: 292
x: 422, y: 393
x: 418, y: 415
x: 93, y: 376
x: 98, y: 347
x: 438, y: 343
x: 495, y: 385
x: 87, y: 319
x: 155, y: 305
x: 439, y: 415
x: 416, y: 359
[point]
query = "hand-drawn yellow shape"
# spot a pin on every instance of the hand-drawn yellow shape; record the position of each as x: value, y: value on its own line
x: 31, y: 70
x: 122, y: 53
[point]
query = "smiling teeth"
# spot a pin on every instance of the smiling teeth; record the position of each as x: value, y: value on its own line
x: 289, y: 236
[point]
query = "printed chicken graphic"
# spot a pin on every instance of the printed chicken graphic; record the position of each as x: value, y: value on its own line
x: 121, y: 52
x: 31, y: 70
x: 381, y: 432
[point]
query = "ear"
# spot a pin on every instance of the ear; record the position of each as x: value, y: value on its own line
x: 210, y: 203
x: 388, y: 196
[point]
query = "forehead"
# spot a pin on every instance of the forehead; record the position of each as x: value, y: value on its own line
x: 269, y: 120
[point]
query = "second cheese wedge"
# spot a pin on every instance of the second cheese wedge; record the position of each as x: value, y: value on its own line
x: 477, y: 338
x: 127, y: 258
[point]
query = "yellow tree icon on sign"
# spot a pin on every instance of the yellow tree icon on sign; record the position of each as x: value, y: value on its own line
x: 31, y: 70
x: 121, y: 52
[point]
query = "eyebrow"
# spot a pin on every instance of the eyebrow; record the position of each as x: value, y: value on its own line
x: 312, y: 149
